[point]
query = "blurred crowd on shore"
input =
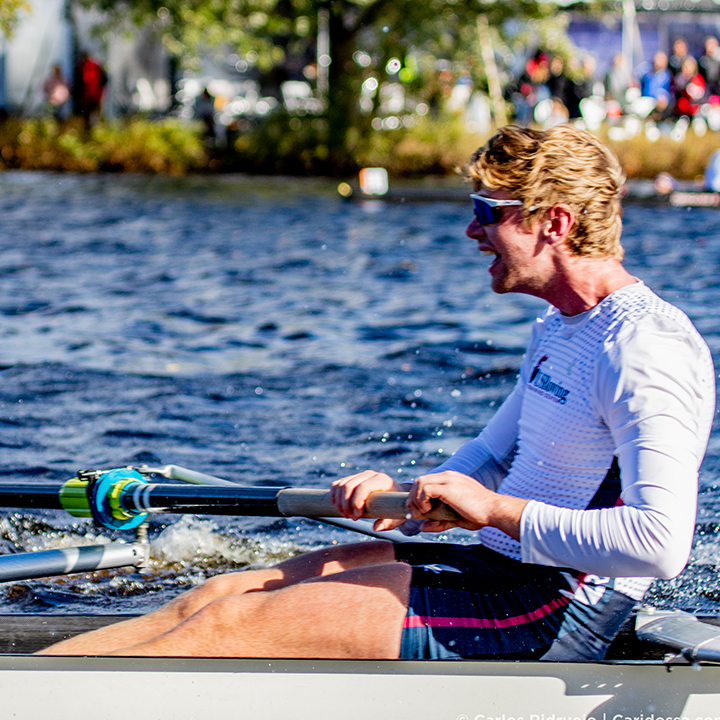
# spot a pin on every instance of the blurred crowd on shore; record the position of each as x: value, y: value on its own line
x: 82, y: 96
x: 665, y: 96
x: 673, y: 88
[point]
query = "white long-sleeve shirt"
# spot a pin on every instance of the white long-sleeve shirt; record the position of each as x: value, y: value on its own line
x: 629, y: 379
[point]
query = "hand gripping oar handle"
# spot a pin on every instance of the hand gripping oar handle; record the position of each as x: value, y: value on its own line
x: 309, y: 502
x: 176, y: 472
x: 390, y: 505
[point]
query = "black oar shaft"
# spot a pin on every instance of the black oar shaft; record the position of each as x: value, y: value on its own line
x: 203, y: 499
x: 25, y: 495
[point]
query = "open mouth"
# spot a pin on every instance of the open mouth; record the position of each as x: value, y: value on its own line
x: 492, y: 254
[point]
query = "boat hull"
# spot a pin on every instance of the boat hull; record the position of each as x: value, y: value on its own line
x: 117, y: 688
x: 234, y: 688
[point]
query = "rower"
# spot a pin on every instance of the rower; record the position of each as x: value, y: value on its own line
x: 582, y: 488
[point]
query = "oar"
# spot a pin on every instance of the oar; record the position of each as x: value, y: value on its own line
x: 63, y: 561
x: 122, y: 499
x: 363, y: 527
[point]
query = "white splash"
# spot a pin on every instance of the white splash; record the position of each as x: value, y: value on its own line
x: 194, y: 541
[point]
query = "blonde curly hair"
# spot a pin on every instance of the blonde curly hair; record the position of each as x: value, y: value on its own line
x: 560, y: 165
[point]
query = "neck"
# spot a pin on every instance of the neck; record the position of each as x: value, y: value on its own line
x: 585, y: 283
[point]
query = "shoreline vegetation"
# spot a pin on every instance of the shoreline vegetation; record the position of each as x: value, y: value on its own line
x: 285, y: 145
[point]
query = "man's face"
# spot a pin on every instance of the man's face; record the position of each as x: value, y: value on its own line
x: 513, y: 245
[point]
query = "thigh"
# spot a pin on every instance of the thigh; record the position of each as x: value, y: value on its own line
x: 353, y: 614
x: 319, y: 563
x: 357, y: 613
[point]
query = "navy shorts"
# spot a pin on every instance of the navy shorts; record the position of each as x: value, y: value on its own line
x: 469, y: 602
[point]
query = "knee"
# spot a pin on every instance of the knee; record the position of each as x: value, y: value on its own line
x: 219, y: 585
x: 215, y: 587
x: 230, y: 612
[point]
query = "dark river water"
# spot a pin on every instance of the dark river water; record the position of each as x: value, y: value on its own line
x: 267, y: 332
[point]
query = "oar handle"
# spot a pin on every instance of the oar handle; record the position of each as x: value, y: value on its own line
x: 309, y: 502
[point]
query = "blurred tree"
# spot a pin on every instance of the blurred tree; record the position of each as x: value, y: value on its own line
x: 10, y: 13
x: 381, y: 40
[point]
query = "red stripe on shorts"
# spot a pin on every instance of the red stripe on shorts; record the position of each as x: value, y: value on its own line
x: 416, y: 621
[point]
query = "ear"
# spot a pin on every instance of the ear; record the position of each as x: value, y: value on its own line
x: 557, y: 223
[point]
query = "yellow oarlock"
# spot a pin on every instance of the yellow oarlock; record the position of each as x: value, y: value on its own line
x: 116, y: 508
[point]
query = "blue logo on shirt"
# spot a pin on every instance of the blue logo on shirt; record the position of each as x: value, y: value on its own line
x: 543, y: 383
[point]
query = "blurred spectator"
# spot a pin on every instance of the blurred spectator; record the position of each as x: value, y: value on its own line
x: 558, y: 114
x: 679, y: 53
x: 663, y: 110
x: 689, y: 88
x: 88, y: 87
x: 709, y: 66
x: 205, y: 112
x: 589, y: 68
x: 618, y: 80
x: 532, y: 88
x: 558, y: 82
x: 572, y: 99
x: 582, y: 86
x: 658, y: 80
x: 664, y: 184
x: 57, y: 93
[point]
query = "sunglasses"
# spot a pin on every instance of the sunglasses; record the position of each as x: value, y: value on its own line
x: 489, y: 211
